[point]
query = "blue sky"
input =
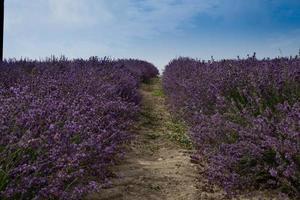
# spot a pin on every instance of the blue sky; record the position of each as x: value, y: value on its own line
x: 154, y: 30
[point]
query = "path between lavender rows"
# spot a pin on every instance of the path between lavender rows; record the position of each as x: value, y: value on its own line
x: 158, y: 163
x: 157, y: 166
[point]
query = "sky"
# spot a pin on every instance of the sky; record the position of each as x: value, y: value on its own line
x: 153, y: 30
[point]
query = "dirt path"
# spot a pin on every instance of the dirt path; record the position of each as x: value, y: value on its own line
x: 158, y: 163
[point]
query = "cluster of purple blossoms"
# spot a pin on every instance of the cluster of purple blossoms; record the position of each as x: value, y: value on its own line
x: 64, y: 123
x: 244, y: 119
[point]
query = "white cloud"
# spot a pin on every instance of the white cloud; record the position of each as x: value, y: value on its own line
x: 104, y: 25
x: 130, y: 18
x: 151, y: 17
x: 80, y: 13
x: 122, y: 28
x: 69, y: 11
x: 119, y: 19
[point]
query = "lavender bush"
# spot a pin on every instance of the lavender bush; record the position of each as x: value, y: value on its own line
x: 63, y: 123
x: 244, y: 118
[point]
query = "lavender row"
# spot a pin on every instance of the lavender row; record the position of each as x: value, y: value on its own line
x: 63, y: 124
x: 244, y: 118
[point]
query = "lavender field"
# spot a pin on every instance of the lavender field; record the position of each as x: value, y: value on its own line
x: 176, y: 106
x: 244, y: 120
x: 63, y: 124
x: 114, y: 129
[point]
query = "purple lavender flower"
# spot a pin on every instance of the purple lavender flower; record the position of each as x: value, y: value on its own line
x: 63, y: 123
x: 244, y: 119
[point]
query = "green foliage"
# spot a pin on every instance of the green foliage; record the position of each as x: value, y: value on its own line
x: 270, y: 157
x: 239, y: 99
x: 178, y: 132
x: 4, y: 179
x: 269, y: 98
x: 148, y: 81
x: 263, y: 177
x: 158, y: 92
x: 148, y: 118
x: 236, y: 117
x: 246, y: 163
x: 232, y: 138
x: 297, y: 160
x: 76, y: 139
x: 10, y: 158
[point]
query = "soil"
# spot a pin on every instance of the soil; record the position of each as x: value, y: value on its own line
x: 158, y: 163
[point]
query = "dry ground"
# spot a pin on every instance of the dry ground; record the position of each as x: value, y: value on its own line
x: 158, y: 165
